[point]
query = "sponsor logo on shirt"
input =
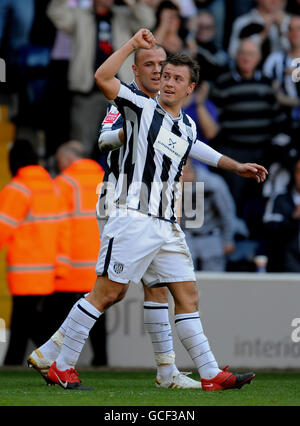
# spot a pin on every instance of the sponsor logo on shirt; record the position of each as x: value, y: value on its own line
x: 111, y: 117
x: 171, y: 145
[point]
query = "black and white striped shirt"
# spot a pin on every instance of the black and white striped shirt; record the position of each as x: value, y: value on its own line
x: 157, y: 146
x: 112, y: 121
x: 277, y: 67
x: 251, y: 25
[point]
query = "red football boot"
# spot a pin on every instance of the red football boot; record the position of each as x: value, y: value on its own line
x: 67, y: 379
x: 226, y: 380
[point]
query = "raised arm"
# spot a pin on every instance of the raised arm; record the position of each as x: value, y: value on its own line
x: 105, y: 74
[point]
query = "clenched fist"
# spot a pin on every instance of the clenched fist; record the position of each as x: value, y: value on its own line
x: 143, y: 39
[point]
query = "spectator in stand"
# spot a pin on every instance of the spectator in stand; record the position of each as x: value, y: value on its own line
x: 282, y: 225
x: 212, y: 242
x: 26, y: 39
x: 77, y: 182
x: 129, y: 17
x: 15, y: 25
x: 36, y: 233
x: 280, y: 67
x: 58, y: 89
x: 267, y: 24
x: 218, y: 9
x: 187, y: 8
x: 170, y: 31
x: 212, y: 59
x: 203, y: 112
x: 248, y: 117
x: 96, y: 33
x: 236, y: 9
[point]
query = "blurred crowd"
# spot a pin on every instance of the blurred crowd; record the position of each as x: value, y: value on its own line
x: 247, y: 104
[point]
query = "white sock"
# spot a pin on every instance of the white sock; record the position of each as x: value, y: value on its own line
x: 190, y: 332
x: 52, y: 347
x: 157, y: 324
x: 81, y: 319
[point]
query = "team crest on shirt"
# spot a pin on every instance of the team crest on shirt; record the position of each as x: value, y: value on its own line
x: 118, y: 268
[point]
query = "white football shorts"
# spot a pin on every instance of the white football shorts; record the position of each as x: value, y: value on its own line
x: 138, y: 246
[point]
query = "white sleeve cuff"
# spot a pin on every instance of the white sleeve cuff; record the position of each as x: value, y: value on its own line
x: 109, y: 141
x: 202, y: 152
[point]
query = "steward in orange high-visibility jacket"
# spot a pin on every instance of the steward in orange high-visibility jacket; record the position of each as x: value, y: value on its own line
x: 78, y: 184
x: 35, y: 230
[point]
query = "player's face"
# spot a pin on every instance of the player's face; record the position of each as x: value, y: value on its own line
x: 175, y: 85
x: 147, y: 70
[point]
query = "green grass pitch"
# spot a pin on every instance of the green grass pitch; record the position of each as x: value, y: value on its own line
x: 124, y: 388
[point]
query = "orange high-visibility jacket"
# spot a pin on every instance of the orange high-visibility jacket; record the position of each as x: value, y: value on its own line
x: 78, y: 185
x: 35, y: 229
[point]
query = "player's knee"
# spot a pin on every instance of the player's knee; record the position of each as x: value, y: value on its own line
x: 158, y: 295
x: 194, y: 299
x: 106, y: 293
x: 186, y: 300
x: 113, y: 296
x: 121, y: 294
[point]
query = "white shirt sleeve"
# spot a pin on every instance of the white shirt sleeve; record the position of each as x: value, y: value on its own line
x: 127, y: 96
x: 109, y: 141
x: 202, y: 152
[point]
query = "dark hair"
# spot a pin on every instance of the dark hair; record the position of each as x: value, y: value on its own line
x: 22, y: 154
x: 137, y: 51
x: 165, y: 4
x: 180, y: 59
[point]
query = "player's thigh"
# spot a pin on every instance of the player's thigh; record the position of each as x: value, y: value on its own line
x: 128, y: 246
x: 173, y: 262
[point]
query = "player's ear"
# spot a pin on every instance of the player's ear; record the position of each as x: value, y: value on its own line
x: 135, y: 70
x: 190, y: 88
